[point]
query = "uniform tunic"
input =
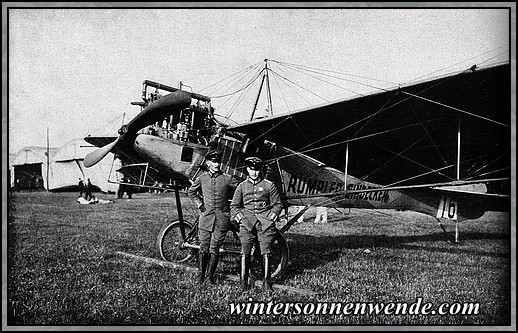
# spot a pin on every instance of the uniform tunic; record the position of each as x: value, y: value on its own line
x: 214, y: 222
x: 256, y: 206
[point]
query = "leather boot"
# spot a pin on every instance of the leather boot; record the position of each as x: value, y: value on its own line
x: 267, y: 274
x: 203, y: 259
x: 213, y: 263
x: 245, y: 271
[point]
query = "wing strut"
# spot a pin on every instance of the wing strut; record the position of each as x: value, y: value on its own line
x: 458, y: 151
x: 346, y: 163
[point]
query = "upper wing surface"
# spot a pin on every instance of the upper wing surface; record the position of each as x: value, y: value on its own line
x: 408, y: 135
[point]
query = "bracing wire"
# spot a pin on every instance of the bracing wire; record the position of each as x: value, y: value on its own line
x: 461, y: 62
x: 456, y: 109
x: 236, y: 103
x: 301, y: 87
x: 335, y: 72
x: 251, y: 81
x: 112, y: 125
x: 342, y: 79
x: 291, y: 88
x: 244, y: 71
x: 485, y: 166
x: 278, y: 76
x: 281, y: 93
x: 242, y: 90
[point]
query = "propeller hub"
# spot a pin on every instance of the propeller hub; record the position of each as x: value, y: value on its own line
x: 123, y: 130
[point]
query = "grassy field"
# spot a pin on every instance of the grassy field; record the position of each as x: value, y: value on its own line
x: 63, y: 270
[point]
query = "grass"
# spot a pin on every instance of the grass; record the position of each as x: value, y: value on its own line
x: 62, y: 269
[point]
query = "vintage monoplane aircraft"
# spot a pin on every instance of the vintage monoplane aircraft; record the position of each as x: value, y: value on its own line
x: 439, y: 147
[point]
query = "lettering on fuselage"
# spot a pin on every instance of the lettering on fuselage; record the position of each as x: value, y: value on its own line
x: 303, y: 185
x: 381, y: 195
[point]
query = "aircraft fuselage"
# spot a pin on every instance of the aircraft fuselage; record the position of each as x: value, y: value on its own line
x: 302, y: 180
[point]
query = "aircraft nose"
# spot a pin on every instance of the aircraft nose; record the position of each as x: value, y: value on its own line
x: 147, y: 143
x: 141, y: 141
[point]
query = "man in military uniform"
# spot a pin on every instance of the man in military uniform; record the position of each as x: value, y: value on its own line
x: 256, y: 206
x: 216, y: 189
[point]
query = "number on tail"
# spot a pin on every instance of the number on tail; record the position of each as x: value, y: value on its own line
x: 447, y: 208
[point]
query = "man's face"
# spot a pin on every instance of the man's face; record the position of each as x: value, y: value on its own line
x: 254, y: 174
x: 213, y: 166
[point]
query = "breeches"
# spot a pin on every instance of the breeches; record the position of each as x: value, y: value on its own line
x: 211, y: 241
x: 265, y: 238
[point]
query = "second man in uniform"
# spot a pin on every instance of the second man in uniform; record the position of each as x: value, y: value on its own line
x: 256, y: 206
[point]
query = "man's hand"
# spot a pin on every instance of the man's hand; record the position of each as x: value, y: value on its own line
x: 235, y: 224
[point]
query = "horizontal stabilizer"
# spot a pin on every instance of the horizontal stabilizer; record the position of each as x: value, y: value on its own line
x: 478, y: 188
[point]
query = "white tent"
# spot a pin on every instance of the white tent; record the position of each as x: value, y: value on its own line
x: 29, y: 164
x: 65, y: 166
x: 68, y: 167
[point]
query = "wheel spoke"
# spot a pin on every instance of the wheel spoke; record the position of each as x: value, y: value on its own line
x: 170, y: 243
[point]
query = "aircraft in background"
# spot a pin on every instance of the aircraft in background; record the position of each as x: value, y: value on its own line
x: 439, y: 147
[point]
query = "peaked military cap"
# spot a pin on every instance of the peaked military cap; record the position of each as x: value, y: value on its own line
x: 214, y: 156
x: 254, y: 162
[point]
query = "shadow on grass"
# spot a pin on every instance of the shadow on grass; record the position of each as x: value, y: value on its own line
x: 311, y: 252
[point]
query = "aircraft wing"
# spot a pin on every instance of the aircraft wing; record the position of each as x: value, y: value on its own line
x: 407, y: 135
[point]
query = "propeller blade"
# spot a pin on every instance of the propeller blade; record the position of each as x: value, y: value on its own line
x: 94, y: 157
x: 160, y: 109
x: 155, y: 111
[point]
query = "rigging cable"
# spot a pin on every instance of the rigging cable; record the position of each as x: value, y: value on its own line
x: 300, y: 86
x: 456, y: 109
x: 351, y: 140
x: 473, y: 174
x: 110, y: 124
x: 349, y: 90
x: 252, y: 80
x: 489, y: 172
x: 342, y: 73
x: 243, y: 92
x: 483, y: 166
x: 292, y: 89
x: 332, y: 84
x: 439, y: 70
x: 400, y: 154
x: 370, y: 117
x: 427, y: 133
x: 240, y: 98
x: 301, y: 131
x: 433, y: 142
x: 248, y: 69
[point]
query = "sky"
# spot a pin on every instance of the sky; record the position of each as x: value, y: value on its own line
x: 73, y: 72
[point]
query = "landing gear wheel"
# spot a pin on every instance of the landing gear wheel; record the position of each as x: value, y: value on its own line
x: 278, y: 258
x: 170, y: 243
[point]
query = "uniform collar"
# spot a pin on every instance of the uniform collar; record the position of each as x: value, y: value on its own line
x: 254, y: 182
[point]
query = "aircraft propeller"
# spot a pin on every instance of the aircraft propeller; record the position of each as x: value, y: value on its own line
x: 155, y: 111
